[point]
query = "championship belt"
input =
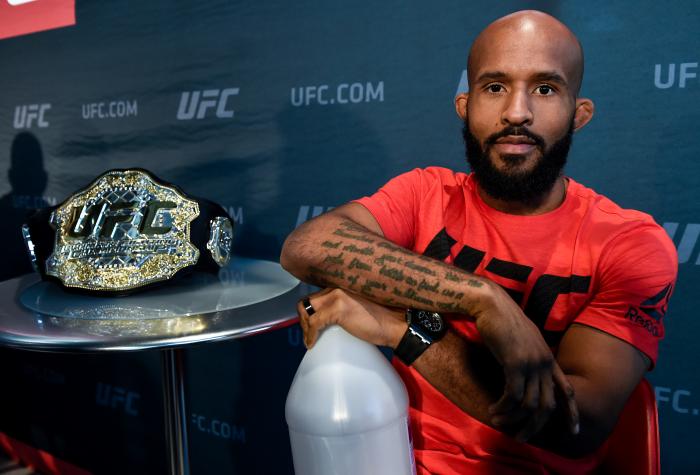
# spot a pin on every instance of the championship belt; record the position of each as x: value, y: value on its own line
x: 127, y: 231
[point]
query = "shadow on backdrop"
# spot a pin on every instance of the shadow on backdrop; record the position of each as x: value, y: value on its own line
x: 28, y: 180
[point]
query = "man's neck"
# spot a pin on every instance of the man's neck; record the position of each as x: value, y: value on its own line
x: 551, y: 201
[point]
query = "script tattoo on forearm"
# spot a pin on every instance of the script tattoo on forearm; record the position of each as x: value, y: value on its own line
x: 401, y: 250
x: 412, y: 295
x: 452, y: 293
x: 451, y: 307
x: 321, y: 277
x: 392, y: 273
x: 366, y: 289
x: 419, y: 268
x: 425, y: 285
x: 334, y: 274
x: 357, y: 237
x: 414, y: 277
x: 365, y: 251
x: 350, y: 226
x: 334, y: 259
x: 388, y: 258
x: 358, y: 264
x: 456, y: 278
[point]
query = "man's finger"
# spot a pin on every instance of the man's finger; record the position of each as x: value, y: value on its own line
x: 303, y: 320
x: 313, y: 328
x: 525, y: 410
x: 311, y: 324
x: 511, y: 418
x: 531, y: 399
x: 546, y: 406
x: 512, y: 394
x: 566, y: 390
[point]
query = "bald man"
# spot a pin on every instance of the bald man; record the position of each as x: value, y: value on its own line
x: 523, y: 308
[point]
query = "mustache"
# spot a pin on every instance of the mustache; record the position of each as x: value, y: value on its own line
x: 515, y: 130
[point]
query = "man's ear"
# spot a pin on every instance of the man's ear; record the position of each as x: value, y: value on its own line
x: 461, y: 105
x: 584, y: 112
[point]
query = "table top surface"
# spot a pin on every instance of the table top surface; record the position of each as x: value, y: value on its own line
x: 248, y: 296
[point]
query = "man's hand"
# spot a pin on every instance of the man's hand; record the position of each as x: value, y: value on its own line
x: 345, y: 248
x: 532, y: 375
x: 360, y: 317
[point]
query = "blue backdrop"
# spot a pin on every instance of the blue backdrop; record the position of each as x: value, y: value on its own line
x: 279, y: 111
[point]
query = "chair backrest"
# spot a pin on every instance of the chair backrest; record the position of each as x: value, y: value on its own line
x: 633, y: 447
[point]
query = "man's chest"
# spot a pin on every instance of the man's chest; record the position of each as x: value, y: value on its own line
x: 546, y: 270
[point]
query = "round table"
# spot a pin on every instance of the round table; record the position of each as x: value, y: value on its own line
x: 248, y: 296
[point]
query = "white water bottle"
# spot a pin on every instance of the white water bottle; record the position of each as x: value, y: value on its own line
x: 347, y: 411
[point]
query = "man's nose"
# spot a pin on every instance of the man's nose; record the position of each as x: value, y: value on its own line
x: 518, y: 110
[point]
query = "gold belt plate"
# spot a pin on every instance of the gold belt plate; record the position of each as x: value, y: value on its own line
x: 124, y: 231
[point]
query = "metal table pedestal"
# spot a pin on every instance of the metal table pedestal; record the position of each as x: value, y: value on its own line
x: 247, y: 297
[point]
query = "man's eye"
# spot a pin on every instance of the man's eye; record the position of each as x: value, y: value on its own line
x: 544, y: 90
x: 494, y: 88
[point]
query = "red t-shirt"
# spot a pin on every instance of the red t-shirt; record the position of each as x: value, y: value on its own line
x: 588, y: 261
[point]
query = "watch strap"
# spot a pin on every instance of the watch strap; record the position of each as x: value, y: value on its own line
x: 412, y: 345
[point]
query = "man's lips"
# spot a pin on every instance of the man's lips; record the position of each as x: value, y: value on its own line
x: 514, y: 145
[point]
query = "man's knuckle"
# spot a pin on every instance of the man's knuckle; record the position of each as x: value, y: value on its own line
x: 547, y: 361
x: 337, y: 293
x: 513, y: 393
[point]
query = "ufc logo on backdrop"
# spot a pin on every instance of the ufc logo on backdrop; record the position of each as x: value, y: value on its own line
x: 686, y: 238
x: 20, y: 17
x: 307, y: 212
x: 665, y: 76
x: 197, y: 104
x: 27, y: 116
x: 118, y: 398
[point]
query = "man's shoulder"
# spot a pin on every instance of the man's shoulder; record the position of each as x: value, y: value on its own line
x: 605, y: 210
x: 614, y: 226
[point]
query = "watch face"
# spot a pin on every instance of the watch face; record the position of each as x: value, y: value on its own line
x: 430, y: 322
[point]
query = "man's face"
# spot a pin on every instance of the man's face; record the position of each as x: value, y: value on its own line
x: 513, y: 181
x: 520, y: 113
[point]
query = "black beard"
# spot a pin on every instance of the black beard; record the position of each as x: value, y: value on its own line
x: 528, y: 188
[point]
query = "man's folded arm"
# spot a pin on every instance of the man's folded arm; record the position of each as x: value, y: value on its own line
x: 345, y: 248
x: 602, y: 370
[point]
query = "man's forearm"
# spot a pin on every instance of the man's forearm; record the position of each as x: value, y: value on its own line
x: 466, y: 374
x: 469, y: 376
x: 336, y: 252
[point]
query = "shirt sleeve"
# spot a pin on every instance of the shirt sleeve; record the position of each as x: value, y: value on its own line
x: 638, y: 272
x: 395, y: 207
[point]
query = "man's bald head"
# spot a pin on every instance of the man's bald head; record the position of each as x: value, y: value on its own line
x: 536, y: 30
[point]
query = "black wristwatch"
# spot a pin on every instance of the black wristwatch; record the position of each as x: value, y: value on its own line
x: 424, y: 329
